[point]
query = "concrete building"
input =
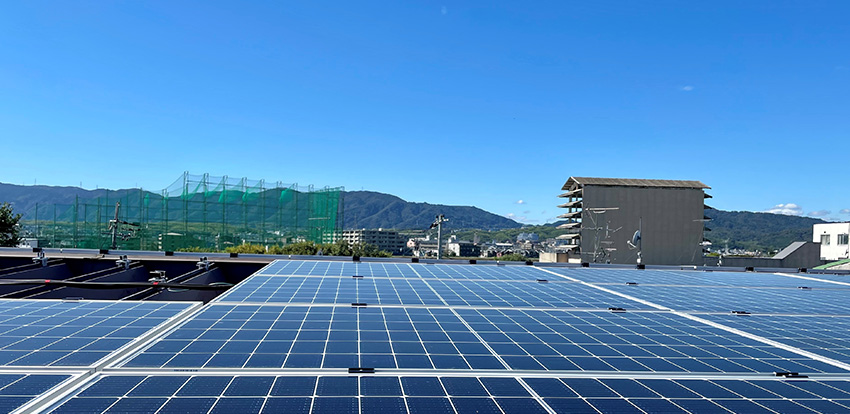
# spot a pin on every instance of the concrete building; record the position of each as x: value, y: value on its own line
x: 603, y: 214
x: 387, y: 240
x: 833, y: 239
x: 463, y: 248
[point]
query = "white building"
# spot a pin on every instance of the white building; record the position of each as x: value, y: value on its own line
x: 387, y: 240
x: 833, y: 239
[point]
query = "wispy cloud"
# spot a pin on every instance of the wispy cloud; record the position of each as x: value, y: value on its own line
x: 514, y: 217
x: 520, y: 202
x: 444, y: 10
x: 686, y: 88
x: 526, y: 212
x: 845, y: 211
x: 820, y: 213
x: 789, y: 209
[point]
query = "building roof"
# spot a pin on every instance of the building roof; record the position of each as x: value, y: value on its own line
x: 790, y: 249
x: 632, y: 182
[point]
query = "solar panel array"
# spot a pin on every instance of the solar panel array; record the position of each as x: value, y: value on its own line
x: 356, y: 337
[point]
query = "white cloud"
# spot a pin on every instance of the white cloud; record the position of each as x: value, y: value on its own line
x: 686, y: 88
x: 820, y: 213
x: 845, y: 211
x: 514, y: 217
x: 789, y: 209
x: 444, y: 11
x: 520, y: 202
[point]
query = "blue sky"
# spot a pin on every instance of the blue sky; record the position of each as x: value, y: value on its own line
x: 492, y: 104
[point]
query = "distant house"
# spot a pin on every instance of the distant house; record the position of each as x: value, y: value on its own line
x: 833, y: 239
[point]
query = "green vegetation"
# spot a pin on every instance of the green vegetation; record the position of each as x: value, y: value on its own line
x: 10, y: 234
x: 509, y: 235
x: 513, y: 257
x: 763, y: 232
x: 305, y: 248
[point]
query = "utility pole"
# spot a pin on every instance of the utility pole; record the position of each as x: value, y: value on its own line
x: 438, y: 223
x: 115, y: 227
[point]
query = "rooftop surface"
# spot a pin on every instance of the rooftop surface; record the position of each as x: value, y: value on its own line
x: 330, y: 336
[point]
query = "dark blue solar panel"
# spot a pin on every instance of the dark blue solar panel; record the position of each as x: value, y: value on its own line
x: 320, y: 337
x: 691, y: 278
x: 754, y: 300
x: 484, y: 271
x: 58, y: 333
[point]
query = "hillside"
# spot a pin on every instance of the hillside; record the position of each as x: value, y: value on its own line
x: 368, y: 209
x: 361, y: 209
x: 757, y: 231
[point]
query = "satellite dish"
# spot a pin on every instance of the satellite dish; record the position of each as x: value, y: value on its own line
x: 633, y: 243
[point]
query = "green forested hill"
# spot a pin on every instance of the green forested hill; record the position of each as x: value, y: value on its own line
x: 366, y: 209
x: 757, y: 231
x: 763, y: 232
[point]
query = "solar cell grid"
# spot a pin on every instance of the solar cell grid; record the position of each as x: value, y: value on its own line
x: 300, y: 289
x: 320, y: 337
x: 57, y: 333
x: 319, y: 394
x: 525, y: 294
x: 481, y: 271
x: 690, y: 277
x: 338, y: 269
x: 316, y: 394
x: 503, y: 293
x: 761, y: 300
x: 480, y: 338
x: 400, y: 270
x: 18, y: 389
x: 600, y: 341
x: 827, y: 336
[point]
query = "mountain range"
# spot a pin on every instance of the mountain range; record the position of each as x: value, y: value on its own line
x: 369, y: 209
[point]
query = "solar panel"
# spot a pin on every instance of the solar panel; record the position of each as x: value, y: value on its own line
x: 42, y: 333
x: 828, y: 336
x: 692, y: 278
x: 450, y: 394
x: 727, y: 299
x: 305, y: 289
x: 315, y: 336
x: 18, y: 389
x: 399, y: 270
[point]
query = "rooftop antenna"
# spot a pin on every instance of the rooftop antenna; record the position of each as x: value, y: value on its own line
x: 438, y: 223
x: 598, y: 229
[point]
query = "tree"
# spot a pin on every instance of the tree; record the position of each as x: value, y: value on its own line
x: 10, y: 232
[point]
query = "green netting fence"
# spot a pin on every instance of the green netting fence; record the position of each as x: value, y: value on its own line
x: 196, y: 211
